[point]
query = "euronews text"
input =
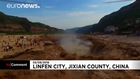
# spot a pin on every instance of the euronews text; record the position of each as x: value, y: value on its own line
x: 20, y: 6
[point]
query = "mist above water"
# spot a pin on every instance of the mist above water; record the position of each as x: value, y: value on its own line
x: 72, y: 44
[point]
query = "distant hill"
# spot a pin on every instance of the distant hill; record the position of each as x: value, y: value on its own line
x: 84, y: 29
x: 10, y: 23
x: 72, y: 30
x: 125, y: 19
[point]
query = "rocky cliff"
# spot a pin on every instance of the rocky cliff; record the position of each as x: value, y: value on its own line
x: 20, y: 24
x: 125, y: 19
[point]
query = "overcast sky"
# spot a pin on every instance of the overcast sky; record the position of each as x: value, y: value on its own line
x: 66, y: 13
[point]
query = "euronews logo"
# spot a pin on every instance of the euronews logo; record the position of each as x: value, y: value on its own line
x: 20, y: 6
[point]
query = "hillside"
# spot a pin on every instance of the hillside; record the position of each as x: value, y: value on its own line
x: 125, y: 19
x: 20, y: 24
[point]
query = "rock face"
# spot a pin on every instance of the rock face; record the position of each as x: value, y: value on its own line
x: 47, y: 43
x: 125, y: 19
x: 11, y: 28
x: 21, y: 24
